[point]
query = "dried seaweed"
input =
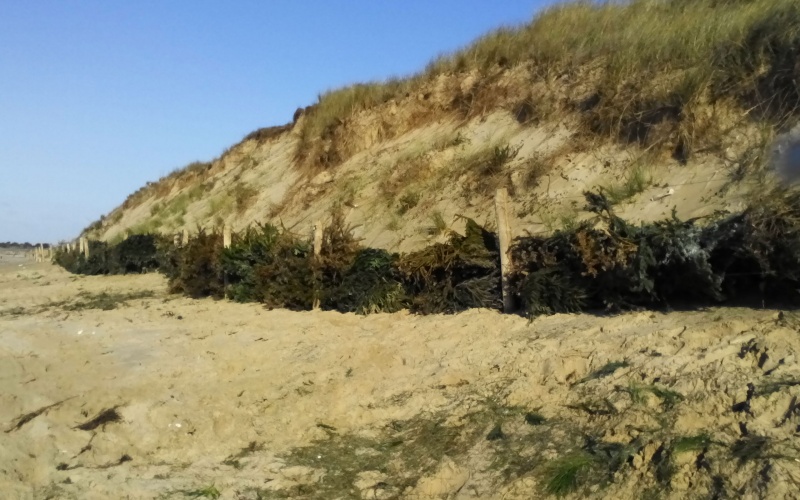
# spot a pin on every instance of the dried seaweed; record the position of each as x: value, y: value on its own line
x: 369, y: 285
x: 199, y: 270
x: 24, y: 419
x: 105, y: 416
x: 606, y: 263
x: 134, y: 255
x: 253, y: 246
x: 618, y: 265
x: 287, y: 280
x: 450, y: 277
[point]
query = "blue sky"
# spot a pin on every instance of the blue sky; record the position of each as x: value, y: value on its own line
x: 99, y: 97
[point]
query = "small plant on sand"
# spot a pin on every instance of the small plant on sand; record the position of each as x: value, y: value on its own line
x: 488, y: 161
x: 438, y: 225
x: 244, y: 196
x: 206, y: 492
x: 394, y: 224
x: 691, y: 443
x: 407, y: 202
x: 668, y: 397
x: 535, y: 168
x: 568, y: 473
x: 636, y: 181
x: 604, y: 371
x: 637, y: 393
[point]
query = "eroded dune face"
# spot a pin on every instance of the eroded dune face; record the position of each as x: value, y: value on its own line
x: 109, y: 388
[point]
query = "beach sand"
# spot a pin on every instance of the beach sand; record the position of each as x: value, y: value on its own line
x: 212, y: 397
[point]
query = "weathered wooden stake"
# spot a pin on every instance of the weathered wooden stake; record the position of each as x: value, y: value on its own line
x: 226, y: 236
x: 317, y: 251
x: 86, y: 247
x: 504, y: 237
x: 185, y: 239
x: 176, y: 240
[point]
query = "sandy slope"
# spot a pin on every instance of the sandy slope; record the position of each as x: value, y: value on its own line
x: 321, y: 394
x: 425, y: 161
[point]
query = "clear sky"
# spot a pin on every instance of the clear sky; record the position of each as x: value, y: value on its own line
x: 97, y: 97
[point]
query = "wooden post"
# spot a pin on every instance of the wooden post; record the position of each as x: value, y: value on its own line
x: 86, y: 247
x: 226, y: 236
x: 176, y: 240
x: 317, y: 251
x: 185, y: 239
x: 504, y: 237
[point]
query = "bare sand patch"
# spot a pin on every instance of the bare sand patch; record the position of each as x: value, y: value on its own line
x: 111, y: 388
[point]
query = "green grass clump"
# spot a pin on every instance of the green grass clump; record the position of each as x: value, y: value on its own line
x: 643, y: 63
x: 668, y: 397
x: 438, y: 225
x: 220, y: 205
x: 637, y: 393
x: 244, y: 195
x: 566, y: 474
x: 691, y: 443
x: 497, y: 157
x: 336, y: 105
x: 206, y: 492
x: 635, y: 182
x: 407, y: 202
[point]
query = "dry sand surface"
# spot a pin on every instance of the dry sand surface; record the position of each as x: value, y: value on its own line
x: 111, y: 388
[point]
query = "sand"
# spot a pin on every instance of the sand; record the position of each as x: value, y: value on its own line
x: 217, y: 399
